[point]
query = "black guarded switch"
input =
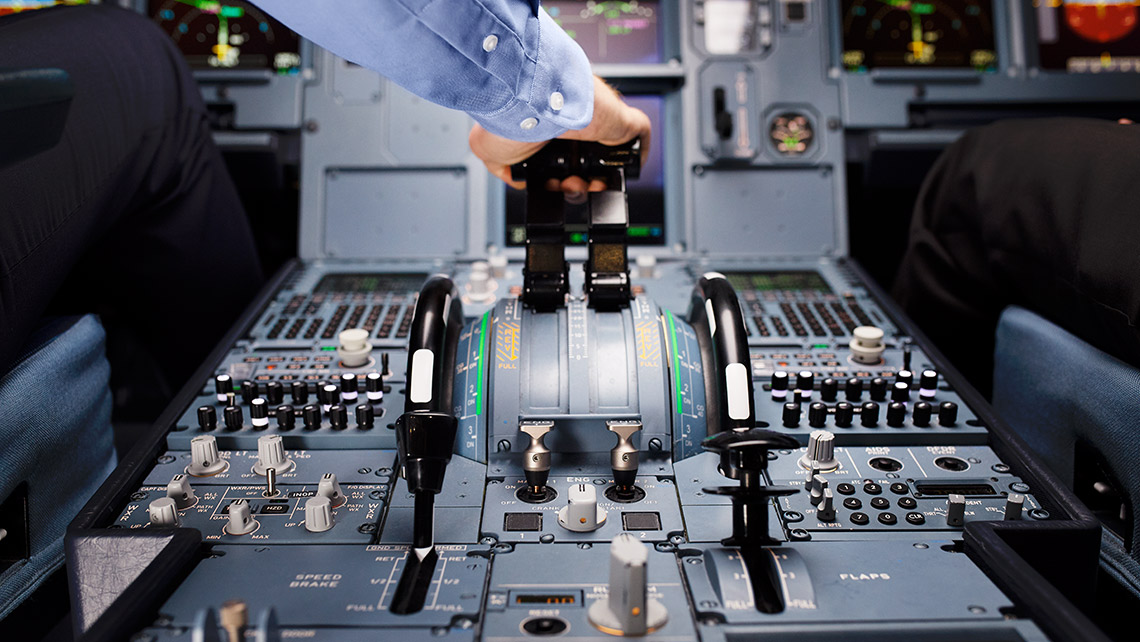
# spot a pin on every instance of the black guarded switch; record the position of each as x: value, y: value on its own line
x: 299, y: 390
x: 878, y: 389
x: 249, y: 391
x: 844, y: 414
x: 207, y: 418
x: 896, y: 414
x: 869, y: 416
x: 817, y: 414
x: 791, y: 415
x: 829, y: 389
x: 233, y: 418
x: 275, y: 393
x: 922, y: 413
x: 948, y: 413
x: 854, y: 389
x: 286, y: 419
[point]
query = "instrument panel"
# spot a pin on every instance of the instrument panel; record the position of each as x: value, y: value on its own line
x: 1079, y: 36
x: 951, y: 34
x: 228, y: 34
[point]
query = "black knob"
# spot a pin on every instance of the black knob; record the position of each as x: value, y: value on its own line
x: 348, y: 387
x: 207, y: 418
x: 327, y: 394
x: 233, y: 418
x: 869, y: 416
x: 817, y: 414
x: 791, y: 415
x: 259, y: 414
x: 900, y: 392
x: 223, y: 385
x: 921, y: 415
x: 384, y: 370
x: 299, y: 390
x: 844, y: 413
x: 854, y: 389
x: 365, y: 416
x: 779, y: 385
x: 338, y: 416
x: 928, y: 384
x: 896, y: 414
x: 905, y: 376
x: 285, y: 418
x: 948, y: 413
x: 878, y: 389
x: 829, y: 389
x: 311, y: 416
x: 374, y: 386
x: 249, y: 391
x: 805, y: 381
x: 275, y: 393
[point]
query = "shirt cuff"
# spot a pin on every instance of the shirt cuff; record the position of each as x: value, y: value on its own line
x: 556, y: 92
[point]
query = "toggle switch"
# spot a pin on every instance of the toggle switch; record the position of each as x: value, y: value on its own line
x: 271, y: 454
x: 330, y: 487
x: 582, y: 513
x: 867, y: 345
x: 318, y: 514
x: 627, y: 609
x: 179, y: 490
x: 240, y: 520
x: 354, y: 350
x: 205, y: 460
x: 624, y: 457
x: 955, y: 510
x: 826, y: 510
x: 818, y: 485
x: 536, y: 457
x: 1013, y: 505
x: 164, y: 513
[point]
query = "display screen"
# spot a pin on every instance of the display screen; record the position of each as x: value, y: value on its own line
x: 646, y: 194
x: 375, y: 282
x: 228, y: 34
x: 16, y: 6
x: 560, y: 598
x: 954, y: 34
x: 775, y: 281
x: 1088, y: 37
x: 611, y: 32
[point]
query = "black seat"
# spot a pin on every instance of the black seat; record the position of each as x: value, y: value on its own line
x: 33, y: 110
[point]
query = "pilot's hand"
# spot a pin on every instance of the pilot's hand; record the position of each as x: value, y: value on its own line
x: 614, y: 123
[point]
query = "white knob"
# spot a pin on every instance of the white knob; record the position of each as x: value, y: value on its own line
x: 646, y: 266
x: 271, y: 454
x: 318, y: 514
x: 329, y: 487
x: 821, y: 451
x: 826, y: 510
x: 498, y: 265
x: 582, y: 513
x: 628, y: 610
x: 1013, y: 505
x: 180, y: 491
x: 354, y: 349
x: 241, y: 521
x: 163, y: 512
x: 867, y: 344
x: 204, y: 458
x: 480, y: 286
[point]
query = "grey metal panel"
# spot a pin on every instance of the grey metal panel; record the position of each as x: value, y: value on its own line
x: 768, y: 211
x: 412, y: 213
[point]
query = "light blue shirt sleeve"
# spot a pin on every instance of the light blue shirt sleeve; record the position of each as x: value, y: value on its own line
x: 504, y: 62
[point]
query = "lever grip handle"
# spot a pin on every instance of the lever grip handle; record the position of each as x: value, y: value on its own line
x: 715, y: 312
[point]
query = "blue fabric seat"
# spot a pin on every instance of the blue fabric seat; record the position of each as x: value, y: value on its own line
x: 55, y: 434
x: 1063, y: 395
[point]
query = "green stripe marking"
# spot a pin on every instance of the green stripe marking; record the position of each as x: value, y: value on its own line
x: 482, y: 358
x: 676, y: 361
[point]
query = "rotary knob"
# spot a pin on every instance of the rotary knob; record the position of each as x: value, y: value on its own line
x: 354, y: 349
x: 271, y: 454
x: 628, y: 610
x: 318, y: 514
x: 582, y: 513
x: 205, y: 460
x: 867, y: 344
x: 820, y: 452
x: 240, y: 520
x: 164, y: 513
x: 480, y: 285
x: 330, y: 487
x: 180, y: 492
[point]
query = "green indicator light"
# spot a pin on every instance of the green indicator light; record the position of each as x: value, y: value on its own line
x: 328, y: 348
x: 232, y: 12
x: 577, y: 237
x: 820, y: 346
x: 676, y: 360
x: 638, y: 231
x: 482, y: 349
